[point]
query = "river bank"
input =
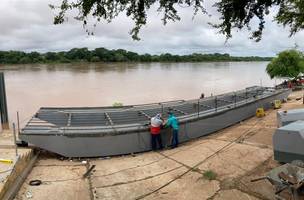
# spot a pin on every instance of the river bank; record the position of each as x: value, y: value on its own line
x: 114, y: 55
x: 236, y: 155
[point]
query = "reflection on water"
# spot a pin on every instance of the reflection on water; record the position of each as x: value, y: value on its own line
x: 32, y: 86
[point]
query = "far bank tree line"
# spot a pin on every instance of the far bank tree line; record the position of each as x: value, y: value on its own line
x: 119, y: 55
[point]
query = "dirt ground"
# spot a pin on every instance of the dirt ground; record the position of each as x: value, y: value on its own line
x: 234, y: 156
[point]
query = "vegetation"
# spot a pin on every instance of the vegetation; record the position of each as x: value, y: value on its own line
x: 288, y: 64
x: 234, y: 14
x: 105, y: 55
x: 209, y: 175
x: 117, y: 104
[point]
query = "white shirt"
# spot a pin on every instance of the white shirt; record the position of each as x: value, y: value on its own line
x: 156, y: 122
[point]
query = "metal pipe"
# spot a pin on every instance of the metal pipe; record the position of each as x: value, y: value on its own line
x: 15, y: 139
x: 162, y: 109
x: 18, y: 122
x: 234, y: 99
x: 198, y: 107
x: 3, y: 103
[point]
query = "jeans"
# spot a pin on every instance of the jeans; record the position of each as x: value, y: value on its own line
x: 174, y: 142
x: 156, y: 138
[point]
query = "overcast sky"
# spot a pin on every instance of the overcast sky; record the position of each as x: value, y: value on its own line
x: 27, y: 25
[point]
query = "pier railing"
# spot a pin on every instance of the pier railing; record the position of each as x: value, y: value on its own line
x: 124, y: 119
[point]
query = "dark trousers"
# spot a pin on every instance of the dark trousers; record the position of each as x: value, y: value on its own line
x: 155, y: 138
x: 174, y: 142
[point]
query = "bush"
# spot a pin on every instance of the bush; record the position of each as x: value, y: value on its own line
x: 209, y: 175
x: 117, y: 104
x: 95, y: 59
x: 288, y: 64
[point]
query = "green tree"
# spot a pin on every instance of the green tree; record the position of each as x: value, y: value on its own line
x: 51, y: 56
x: 34, y: 56
x: 288, y: 64
x: 119, y: 55
x: 95, y: 59
x: 25, y: 60
x: 233, y: 13
x: 79, y: 54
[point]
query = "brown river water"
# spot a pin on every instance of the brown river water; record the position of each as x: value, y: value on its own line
x: 29, y: 87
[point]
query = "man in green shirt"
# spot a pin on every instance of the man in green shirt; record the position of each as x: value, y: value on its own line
x: 173, y: 123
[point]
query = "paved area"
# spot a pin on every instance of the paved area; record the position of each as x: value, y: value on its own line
x: 61, y: 180
x: 232, y: 156
x: 7, y: 151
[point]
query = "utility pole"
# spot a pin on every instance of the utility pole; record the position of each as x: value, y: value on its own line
x: 3, y: 103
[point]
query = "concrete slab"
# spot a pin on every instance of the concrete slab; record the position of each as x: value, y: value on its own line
x: 58, y: 182
x: 194, y: 155
x: 232, y: 133
x: 236, y: 160
x: 99, y: 179
x: 191, y: 186
x: 106, y: 166
x: 233, y: 194
x: 137, y: 188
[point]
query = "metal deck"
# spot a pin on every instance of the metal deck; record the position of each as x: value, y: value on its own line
x: 110, y: 117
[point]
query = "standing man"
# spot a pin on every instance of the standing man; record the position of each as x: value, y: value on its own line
x: 173, y: 123
x: 156, y: 124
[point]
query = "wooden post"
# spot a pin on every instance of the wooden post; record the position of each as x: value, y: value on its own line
x: 3, y: 103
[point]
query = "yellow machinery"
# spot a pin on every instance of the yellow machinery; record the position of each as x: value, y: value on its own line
x: 260, y: 112
x: 277, y: 104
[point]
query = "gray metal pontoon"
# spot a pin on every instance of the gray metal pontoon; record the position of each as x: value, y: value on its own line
x: 105, y: 131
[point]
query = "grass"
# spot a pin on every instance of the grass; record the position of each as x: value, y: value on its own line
x: 117, y: 104
x: 209, y: 175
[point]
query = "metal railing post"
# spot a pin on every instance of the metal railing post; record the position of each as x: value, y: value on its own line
x: 162, y: 109
x: 18, y: 122
x: 15, y: 139
x: 198, y: 107
x: 234, y: 99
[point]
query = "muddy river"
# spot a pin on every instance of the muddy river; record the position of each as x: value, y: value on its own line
x: 29, y: 87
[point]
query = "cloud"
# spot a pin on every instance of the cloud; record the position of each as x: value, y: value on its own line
x: 27, y: 25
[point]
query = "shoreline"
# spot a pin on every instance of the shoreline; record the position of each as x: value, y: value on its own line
x: 153, y: 175
x: 130, y: 62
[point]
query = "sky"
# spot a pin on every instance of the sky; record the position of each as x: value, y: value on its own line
x: 27, y: 25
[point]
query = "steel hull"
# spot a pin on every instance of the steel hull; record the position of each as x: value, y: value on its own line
x: 133, y: 141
